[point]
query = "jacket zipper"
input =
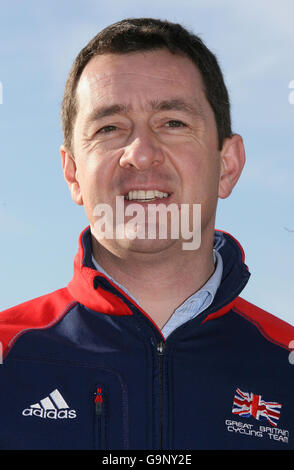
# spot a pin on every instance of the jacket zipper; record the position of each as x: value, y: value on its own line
x: 99, y: 412
x: 160, y: 351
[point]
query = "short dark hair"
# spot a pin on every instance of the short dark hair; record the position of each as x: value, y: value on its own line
x: 146, y: 34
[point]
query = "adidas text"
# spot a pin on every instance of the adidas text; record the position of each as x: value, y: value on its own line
x: 52, y: 414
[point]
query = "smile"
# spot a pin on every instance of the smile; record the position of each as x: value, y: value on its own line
x: 142, y: 195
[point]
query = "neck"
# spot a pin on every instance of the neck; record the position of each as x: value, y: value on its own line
x: 159, y: 281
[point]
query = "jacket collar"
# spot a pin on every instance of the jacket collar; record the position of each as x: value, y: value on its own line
x: 97, y: 292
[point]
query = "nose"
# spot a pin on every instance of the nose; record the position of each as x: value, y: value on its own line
x: 142, y: 153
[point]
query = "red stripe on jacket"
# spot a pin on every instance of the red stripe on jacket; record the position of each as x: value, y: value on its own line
x: 41, y: 312
x: 271, y: 327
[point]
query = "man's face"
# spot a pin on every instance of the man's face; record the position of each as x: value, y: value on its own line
x: 144, y: 123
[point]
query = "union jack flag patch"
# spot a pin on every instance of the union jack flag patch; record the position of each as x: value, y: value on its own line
x: 248, y: 404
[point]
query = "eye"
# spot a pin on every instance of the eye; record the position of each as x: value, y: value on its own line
x: 175, y: 123
x: 107, y: 129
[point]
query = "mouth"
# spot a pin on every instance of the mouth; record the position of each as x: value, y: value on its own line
x: 149, y: 195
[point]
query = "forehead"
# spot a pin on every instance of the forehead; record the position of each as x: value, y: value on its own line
x: 144, y: 75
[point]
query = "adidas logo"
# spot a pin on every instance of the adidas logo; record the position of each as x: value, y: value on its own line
x: 54, y: 407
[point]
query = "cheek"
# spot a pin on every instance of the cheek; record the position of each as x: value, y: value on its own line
x: 199, y: 171
x: 91, y: 179
x: 99, y: 174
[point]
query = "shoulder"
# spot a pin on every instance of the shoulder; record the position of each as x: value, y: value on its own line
x: 41, y: 312
x: 271, y: 327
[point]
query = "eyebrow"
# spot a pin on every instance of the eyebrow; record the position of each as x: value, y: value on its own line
x: 177, y: 104
x: 105, y: 111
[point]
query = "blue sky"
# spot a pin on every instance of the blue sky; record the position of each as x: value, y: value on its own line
x: 39, y: 223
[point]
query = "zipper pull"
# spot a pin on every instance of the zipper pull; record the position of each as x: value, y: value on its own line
x: 160, y: 347
x: 98, y: 401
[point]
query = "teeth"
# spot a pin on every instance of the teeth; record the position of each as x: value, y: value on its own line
x: 142, y: 195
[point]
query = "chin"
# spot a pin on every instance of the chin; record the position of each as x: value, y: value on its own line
x: 146, y: 246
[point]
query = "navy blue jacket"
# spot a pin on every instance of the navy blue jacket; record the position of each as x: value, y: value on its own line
x: 86, y: 368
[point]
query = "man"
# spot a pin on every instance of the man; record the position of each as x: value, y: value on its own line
x: 149, y: 346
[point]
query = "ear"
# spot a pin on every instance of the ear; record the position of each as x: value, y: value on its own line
x: 232, y: 161
x: 71, y: 174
